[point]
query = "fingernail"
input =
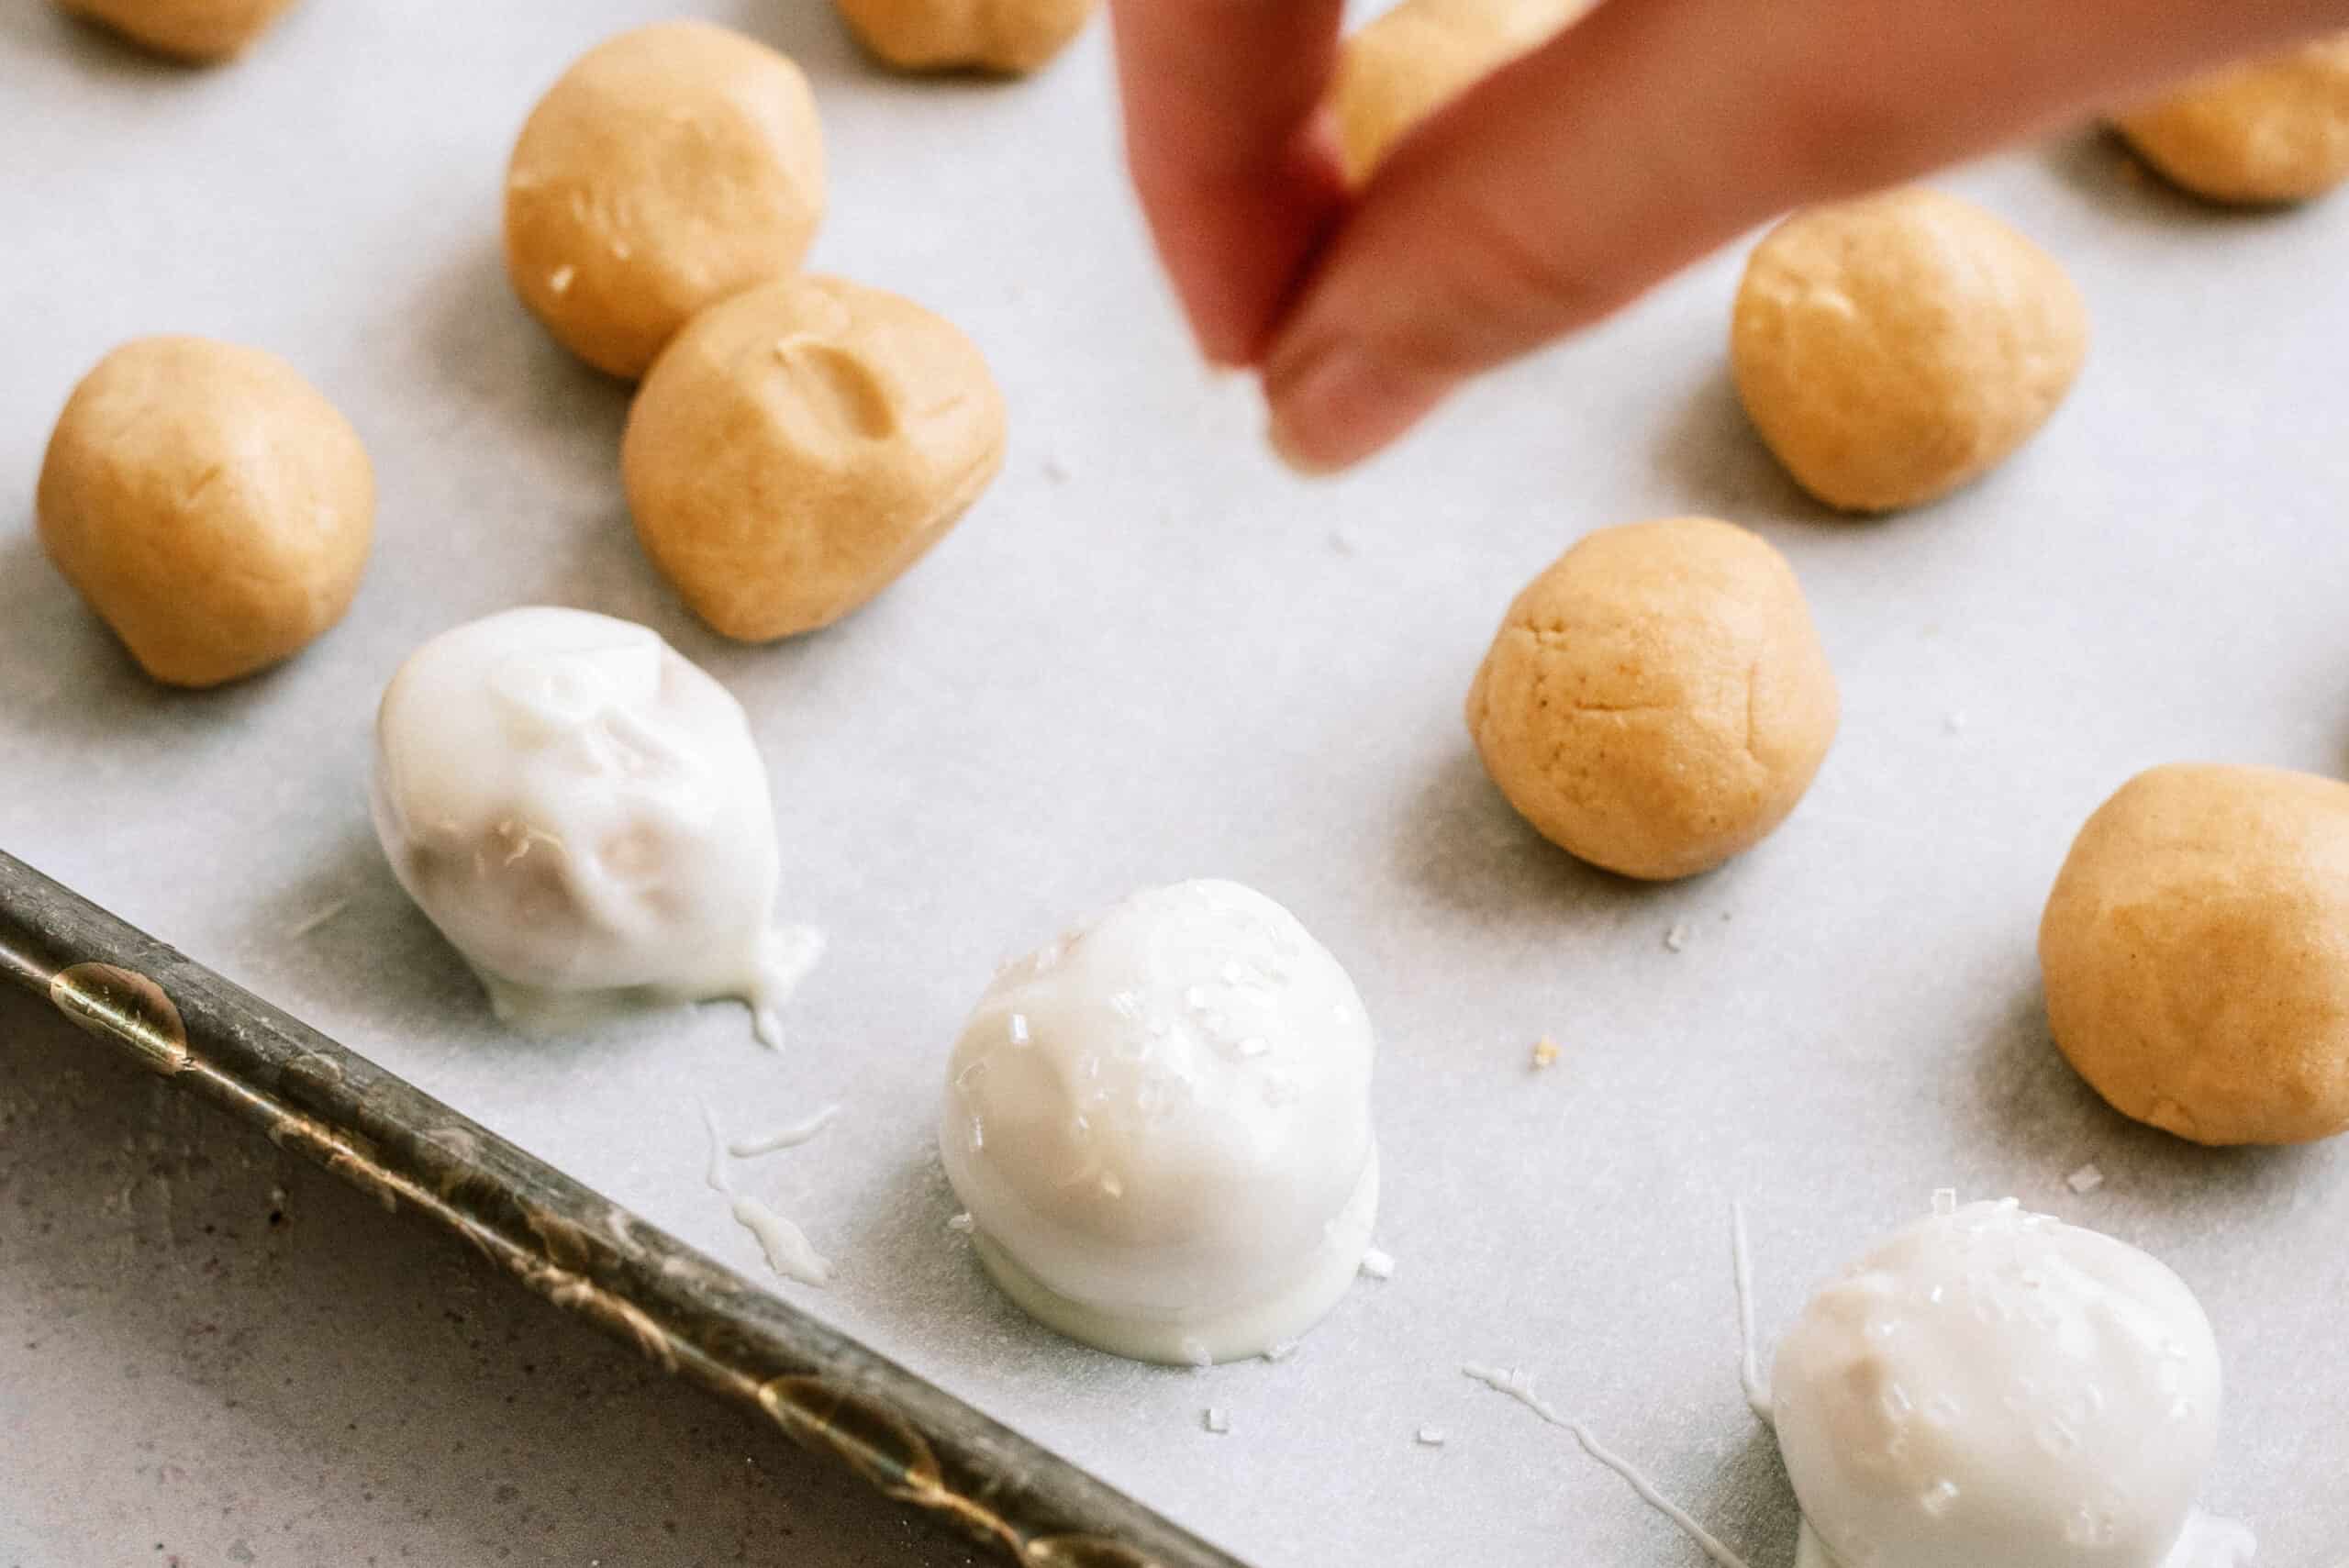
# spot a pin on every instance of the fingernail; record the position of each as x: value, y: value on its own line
x: 1342, y: 407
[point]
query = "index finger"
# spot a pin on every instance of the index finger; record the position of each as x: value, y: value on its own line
x: 1236, y: 174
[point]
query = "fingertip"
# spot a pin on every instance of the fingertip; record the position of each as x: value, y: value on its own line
x: 1238, y: 177
x: 1236, y: 247
x: 1225, y: 349
x: 1332, y: 406
x: 1298, y: 459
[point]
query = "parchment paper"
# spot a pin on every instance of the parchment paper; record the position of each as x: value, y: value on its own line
x: 1151, y: 654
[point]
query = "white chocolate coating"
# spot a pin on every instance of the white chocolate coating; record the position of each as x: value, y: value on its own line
x: 583, y: 815
x: 1160, y: 1123
x: 1992, y: 1386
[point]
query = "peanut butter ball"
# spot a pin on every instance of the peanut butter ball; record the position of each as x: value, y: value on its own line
x: 198, y: 32
x: 1009, y: 37
x: 1410, y: 62
x: 667, y: 168
x: 2196, y: 954
x: 1657, y: 700
x: 800, y: 445
x: 1892, y: 349
x: 2272, y: 130
x: 210, y: 505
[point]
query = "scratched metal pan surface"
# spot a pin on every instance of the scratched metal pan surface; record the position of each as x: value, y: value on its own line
x: 1149, y: 654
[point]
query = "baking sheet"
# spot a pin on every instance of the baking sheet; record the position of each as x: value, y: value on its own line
x: 1149, y: 655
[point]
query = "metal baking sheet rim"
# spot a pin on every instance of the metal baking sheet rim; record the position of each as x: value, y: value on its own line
x: 692, y: 1316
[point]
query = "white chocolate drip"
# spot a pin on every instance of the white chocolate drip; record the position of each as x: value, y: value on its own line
x: 786, y: 955
x: 787, y: 1248
x: 714, y: 1174
x: 320, y: 918
x: 1749, y: 1372
x: 791, y: 1137
x: 1518, y: 1386
x: 2208, y: 1541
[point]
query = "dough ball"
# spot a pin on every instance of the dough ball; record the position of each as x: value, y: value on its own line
x: 1894, y: 348
x: 200, y: 31
x: 583, y: 814
x: 1411, y: 61
x: 2196, y: 954
x: 2275, y: 130
x: 210, y: 505
x: 1657, y: 700
x: 1013, y: 37
x: 1995, y: 1388
x: 667, y: 168
x: 801, y: 445
x: 1160, y: 1123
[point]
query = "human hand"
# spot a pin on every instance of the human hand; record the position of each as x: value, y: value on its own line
x: 1567, y: 183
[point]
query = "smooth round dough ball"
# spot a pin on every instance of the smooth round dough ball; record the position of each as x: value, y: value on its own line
x: 1892, y: 350
x: 668, y: 168
x: 2196, y: 954
x: 1656, y: 700
x: 210, y: 505
x: 800, y: 446
x: 199, y: 31
x: 2273, y: 131
x: 1012, y: 37
x: 1410, y: 62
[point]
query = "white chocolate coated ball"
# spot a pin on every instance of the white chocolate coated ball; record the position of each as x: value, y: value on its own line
x: 582, y: 812
x: 1993, y: 1386
x: 1161, y: 1126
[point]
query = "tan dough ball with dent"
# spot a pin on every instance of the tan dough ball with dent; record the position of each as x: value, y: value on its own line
x: 2273, y: 131
x: 1657, y: 700
x: 209, y: 504
x: 800, y: 446
x: 2196, y: 954
x: 1892, y: 349
x: 1009, y: 37
x: 668, y: 168
x: 199, y: 31
x: 1410, y: 62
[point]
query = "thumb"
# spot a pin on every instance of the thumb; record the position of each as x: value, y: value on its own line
x: 1652, y: 131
